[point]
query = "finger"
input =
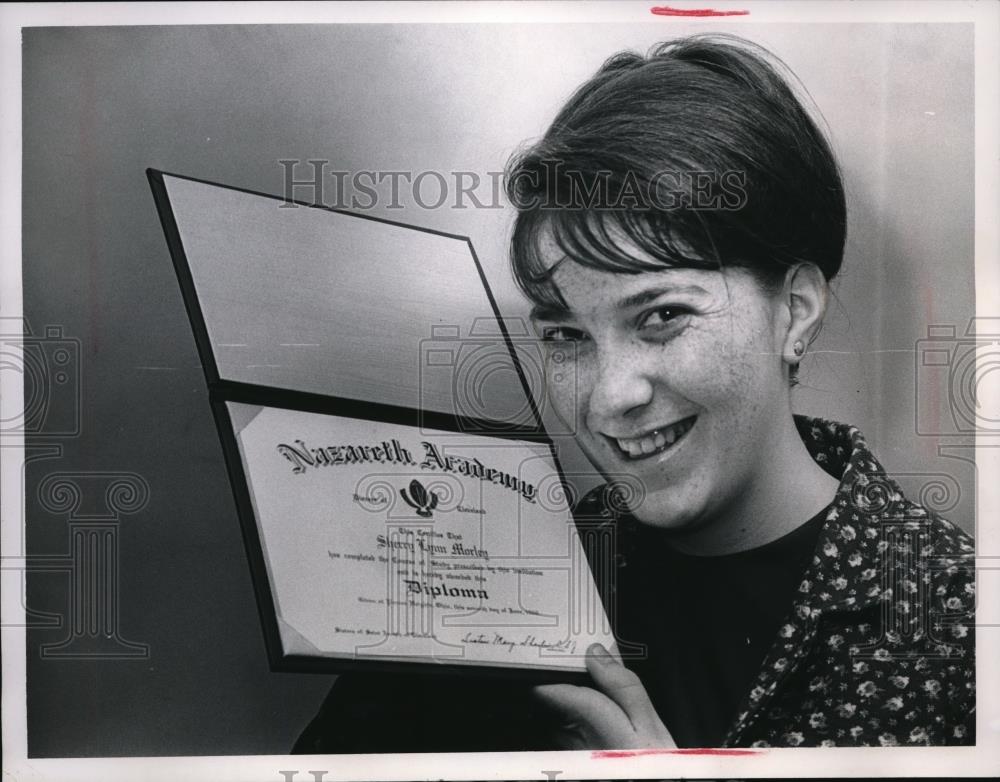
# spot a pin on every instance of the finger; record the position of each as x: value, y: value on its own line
x: 571, y: 703
x: 591, y: 718
x: 624, y: 688
x: 565, y: 731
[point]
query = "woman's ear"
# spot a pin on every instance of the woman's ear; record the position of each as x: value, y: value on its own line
x: 805, y: 294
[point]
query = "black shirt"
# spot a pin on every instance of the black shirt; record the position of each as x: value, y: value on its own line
x: 708, y: 622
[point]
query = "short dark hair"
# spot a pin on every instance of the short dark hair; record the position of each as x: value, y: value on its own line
x: 711, y: 106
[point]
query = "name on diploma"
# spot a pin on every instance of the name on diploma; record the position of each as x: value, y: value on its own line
x: 421, y: 544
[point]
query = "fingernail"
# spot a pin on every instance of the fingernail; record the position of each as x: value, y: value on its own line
x: 599, y: 653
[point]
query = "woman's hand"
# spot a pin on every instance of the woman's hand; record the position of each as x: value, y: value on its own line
x: 616, y: 715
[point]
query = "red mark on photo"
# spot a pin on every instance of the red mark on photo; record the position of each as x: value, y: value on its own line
x: 666, y: 10
x: 635, y: 753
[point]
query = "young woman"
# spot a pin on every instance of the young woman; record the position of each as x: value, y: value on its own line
x: 677, y: 228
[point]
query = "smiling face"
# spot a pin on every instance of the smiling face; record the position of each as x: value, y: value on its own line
x: 679, y: 383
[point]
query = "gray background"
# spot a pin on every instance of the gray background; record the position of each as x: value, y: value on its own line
x: 225, y: 104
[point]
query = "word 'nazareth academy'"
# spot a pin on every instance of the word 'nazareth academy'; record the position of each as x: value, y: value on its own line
x: 302, y: 457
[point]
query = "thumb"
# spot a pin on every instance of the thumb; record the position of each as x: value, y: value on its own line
x: 623, y: 687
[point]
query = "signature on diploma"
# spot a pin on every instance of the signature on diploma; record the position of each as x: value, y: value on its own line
x: 498, y: 639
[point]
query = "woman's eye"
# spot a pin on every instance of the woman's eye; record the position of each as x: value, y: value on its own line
x: 562, y: 334
x: 663, y: 316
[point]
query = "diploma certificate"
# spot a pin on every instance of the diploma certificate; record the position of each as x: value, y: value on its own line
x: 397, y: 543
x: 398, y: 493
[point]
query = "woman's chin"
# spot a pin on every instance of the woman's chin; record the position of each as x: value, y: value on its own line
x: 666, y: 517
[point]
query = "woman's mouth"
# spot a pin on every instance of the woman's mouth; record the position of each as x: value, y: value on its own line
x: 655, y: 442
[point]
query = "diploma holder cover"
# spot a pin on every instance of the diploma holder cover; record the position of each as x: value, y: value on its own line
x: 401, y: 503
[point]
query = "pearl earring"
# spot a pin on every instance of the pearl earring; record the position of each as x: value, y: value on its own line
x: 798, y: 348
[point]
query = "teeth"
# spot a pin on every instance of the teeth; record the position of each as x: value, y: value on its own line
x: 655, y: 441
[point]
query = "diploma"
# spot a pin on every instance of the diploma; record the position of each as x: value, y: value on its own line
x: 386, y: 542
x: 399, y: 497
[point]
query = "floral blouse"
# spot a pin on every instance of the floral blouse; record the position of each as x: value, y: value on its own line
x: 878, y: 648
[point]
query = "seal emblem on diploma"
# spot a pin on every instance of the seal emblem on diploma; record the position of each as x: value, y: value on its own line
x: 392, y: 516
x: 421, y: 500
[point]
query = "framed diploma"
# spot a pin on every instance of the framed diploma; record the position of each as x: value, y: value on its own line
x: 400, y: 500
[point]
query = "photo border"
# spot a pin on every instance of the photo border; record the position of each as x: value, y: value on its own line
x: 983, y: 759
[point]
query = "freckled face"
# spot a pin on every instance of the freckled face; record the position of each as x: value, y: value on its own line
x: 679, y: 383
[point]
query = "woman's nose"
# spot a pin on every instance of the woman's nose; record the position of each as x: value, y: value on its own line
x: 621, y: 385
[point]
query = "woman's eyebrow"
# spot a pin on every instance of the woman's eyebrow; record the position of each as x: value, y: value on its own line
x: 550, y: 312
x: 650, y: 294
